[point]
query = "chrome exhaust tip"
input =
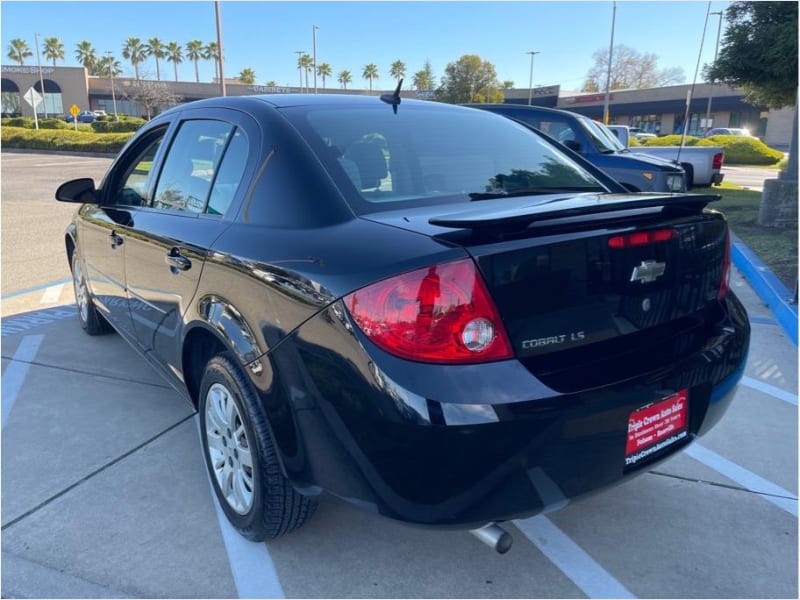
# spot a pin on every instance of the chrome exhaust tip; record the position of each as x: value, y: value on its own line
x: 495, y: 537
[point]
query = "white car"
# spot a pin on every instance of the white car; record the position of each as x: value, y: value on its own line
x: 100, y: 113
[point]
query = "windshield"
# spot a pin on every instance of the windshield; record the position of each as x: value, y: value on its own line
x: 431, y: 154
x: 603, y: 138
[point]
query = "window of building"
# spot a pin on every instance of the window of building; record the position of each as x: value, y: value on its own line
x: 10, y: 99
x: 53, y: 104
x: 646, y: 123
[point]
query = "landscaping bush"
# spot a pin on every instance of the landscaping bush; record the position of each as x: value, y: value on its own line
x: 122, y: 126
x: 675, y: 140
x: 18, y: 122
x: 52, y: 124
x: 741, y: 150
x: 57, y: 139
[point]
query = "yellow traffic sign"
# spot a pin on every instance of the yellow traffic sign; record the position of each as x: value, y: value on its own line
x: 74, y: 110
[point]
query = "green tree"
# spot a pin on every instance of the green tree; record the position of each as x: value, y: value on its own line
x: 369, y: 73
x: 508, y: 84
x: 135, y: 51
x: 53, y: 49
x: 344, y: 78
x: 398, y: 70
x: 194, y: 52
x: 174, y: 55
x: 157, y: 49
x: 305, y: 63
x: 211, y: 52
x: 102, y: 66
x: 247, y: 75
x: 86, y: 55
x: 423, y: 79
x: 18, y: 50
x: 630, y: 69
x: 324, y: 70
x: 469, y: 79
x: 271, y: 83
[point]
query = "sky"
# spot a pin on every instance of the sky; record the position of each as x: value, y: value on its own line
x: 264, y: 36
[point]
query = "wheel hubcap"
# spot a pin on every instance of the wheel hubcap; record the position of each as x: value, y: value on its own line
x: 229, y: 449
x: 81, y: 298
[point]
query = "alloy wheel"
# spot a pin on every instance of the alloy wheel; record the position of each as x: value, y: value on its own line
x: 81, y: 293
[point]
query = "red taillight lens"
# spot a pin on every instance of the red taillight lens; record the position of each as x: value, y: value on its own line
x: 716, y: 162
x: 442, y: 314
x: 725, y: 284
x: 641, y: 238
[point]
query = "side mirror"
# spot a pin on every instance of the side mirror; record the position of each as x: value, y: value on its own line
x: 77, y: 190
x: 573, y: 145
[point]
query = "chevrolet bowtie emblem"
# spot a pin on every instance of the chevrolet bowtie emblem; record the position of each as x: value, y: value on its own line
x: 648, y: 271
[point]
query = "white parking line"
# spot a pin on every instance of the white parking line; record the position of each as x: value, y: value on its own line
x: 571, y: 559
x: 251, y: 564
x: 773, y: 391
x: 780, y: 497
x: 17, y: 369
x: 52, y: 294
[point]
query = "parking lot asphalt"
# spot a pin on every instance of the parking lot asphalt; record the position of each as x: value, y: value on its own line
x: 104, y: 494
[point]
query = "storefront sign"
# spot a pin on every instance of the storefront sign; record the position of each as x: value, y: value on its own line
x: 27, y: 70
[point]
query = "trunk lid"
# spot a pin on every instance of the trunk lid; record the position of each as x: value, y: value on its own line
x: 584, y: 285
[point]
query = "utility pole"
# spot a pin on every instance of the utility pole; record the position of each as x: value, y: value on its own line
x: 607, y: 100
x: 41, y: 78
x: 314, y: 51
x: 530, y: 77
x: 111, y: 77
x: 219, y: 45
x: 716, y: 50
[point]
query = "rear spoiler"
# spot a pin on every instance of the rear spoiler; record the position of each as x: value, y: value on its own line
x: 488, y: 216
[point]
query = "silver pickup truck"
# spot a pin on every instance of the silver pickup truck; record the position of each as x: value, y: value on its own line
x: 702, y: 164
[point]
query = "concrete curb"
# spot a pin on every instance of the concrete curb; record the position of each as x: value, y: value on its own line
x: 59, y: 152
x: 769, y: 288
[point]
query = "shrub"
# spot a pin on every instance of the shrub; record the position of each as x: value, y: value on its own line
x: 53, y: 139
x: 52, y: 124
x: 633, y: 141
x: 675, y: 140
x: 123, y: 126
x: 741, y: 150
x: 18, y: 122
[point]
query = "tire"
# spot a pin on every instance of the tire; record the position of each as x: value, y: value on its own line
x: 689, y: 175
x: 257, y: 499
x: 91, y: 321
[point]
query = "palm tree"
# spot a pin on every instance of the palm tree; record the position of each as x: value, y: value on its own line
x: 370, y: 72
x: 247, y: 75
x: 211, y: 52
x: 53, y: 49
x: 324, y: 70
x: 194, y: 52
x: 344, y: 78
x: 271, y: 83
x: 157, y: 50
x: 398, y: 70
x: 305, y: 62
x: 86, y: 55
x: 175, y: 56
x: 103, y: 65
x: 135, y: 51
x: 18, y: 50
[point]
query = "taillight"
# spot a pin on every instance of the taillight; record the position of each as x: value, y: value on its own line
x: 641, y: 238
x: 716, y: 162
x: 725, y: 284
x: 442, y: 314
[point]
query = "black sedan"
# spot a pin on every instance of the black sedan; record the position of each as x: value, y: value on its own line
x: 430, y: 311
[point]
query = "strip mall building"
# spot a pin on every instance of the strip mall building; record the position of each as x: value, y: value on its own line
x: 657, y: 110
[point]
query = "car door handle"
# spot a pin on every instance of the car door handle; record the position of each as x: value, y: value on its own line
x: 176, y: 261
x: 115, y: 239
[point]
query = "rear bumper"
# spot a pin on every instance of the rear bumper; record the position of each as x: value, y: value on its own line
x: 716, y: 178
x: 461, y: 446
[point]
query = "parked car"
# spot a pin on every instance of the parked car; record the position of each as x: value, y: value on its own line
x: 598, y: 146
x: 702, y: 164
x: 430, y: 311
x: 729, y: 131
x: 99, y: 113
x: 86, y: 116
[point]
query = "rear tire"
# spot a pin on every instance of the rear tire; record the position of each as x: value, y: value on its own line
x: 91, y: 321
x: 241, y: 457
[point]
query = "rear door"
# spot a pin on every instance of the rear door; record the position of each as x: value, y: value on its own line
x: 199, y: 176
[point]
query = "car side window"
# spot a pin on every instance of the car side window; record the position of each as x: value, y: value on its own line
x: 191, y: 163
x: 134, y: 183
x: 229, y: 174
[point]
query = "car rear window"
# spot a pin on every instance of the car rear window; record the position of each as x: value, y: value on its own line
x: 425, y: 155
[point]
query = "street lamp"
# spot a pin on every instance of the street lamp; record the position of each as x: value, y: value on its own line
x: 111, y: 77
x: 608, y: 74
x: 716, y: 50
x: 300, y: 67
x: 219, y: 47
x: 530, y: 77
x: 314, y: 51
x: 41, y: 77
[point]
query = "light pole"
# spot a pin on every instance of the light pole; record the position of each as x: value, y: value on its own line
x: 530, y: 77
x: 219, y: 46
x: 111, y: 77
x: 607, y: 100
x: 314, y: 51
x: 41, y: 78
x: 300, y: 67
x: 716, y: 50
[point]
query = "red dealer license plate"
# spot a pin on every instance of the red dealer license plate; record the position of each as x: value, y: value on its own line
x: 656, y: 426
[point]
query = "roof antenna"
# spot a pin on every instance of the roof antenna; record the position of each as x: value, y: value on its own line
x: 393, y: 99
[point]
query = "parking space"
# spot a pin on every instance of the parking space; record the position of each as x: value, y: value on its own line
x: 105, y: 495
